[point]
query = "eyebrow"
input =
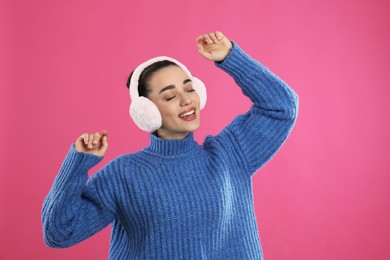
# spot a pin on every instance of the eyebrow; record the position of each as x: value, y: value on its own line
x: 173, y: 86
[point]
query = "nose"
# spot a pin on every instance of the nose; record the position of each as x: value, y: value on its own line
x: 185, y: 99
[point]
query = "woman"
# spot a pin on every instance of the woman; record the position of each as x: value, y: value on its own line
x: 176, y: 199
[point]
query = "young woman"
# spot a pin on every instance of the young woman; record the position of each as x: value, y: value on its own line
x: 176, y: 199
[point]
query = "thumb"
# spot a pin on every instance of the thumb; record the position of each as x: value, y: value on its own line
x: 205, y: 54
x: 104, y: 146
x: 105, y: 142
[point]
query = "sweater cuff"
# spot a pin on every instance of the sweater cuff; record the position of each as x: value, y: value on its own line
x: 75, y: 164
x: 73, y: 172
x: 86, y: 161
x: 230, y: 64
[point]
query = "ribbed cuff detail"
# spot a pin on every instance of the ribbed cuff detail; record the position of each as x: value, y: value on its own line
x: 74, y: 168
x: 265, y: 89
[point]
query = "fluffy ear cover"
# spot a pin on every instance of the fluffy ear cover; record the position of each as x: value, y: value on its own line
x: 145, y: 114
x: 143, y: 111
x: 201, y: 90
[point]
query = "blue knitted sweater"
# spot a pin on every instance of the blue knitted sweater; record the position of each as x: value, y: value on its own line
x: 176, y: 199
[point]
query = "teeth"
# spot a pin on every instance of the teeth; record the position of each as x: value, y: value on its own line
x: 188, y: 113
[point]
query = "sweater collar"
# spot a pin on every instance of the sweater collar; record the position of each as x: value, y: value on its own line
x: 171, y: 147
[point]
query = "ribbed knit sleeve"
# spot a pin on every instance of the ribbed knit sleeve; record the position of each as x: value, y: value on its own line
x: 74, y: 209
x: 253, y: 138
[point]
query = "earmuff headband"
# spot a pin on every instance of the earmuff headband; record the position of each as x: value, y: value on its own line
x: 138, y: 71
x: 143, y: 111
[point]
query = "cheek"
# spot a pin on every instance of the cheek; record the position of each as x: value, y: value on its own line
x: 196, y: 99
x: 167, y: 111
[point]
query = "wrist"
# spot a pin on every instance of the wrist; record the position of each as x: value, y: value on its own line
x: 228, y: 52
x: 230, y: 48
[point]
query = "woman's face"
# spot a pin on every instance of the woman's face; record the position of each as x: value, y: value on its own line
x: 177, y: 101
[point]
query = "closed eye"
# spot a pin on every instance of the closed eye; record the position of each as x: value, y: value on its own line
x: 171, y: 98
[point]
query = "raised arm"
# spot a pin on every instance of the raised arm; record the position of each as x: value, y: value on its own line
x: 76, y: 208
x: 253, y: 138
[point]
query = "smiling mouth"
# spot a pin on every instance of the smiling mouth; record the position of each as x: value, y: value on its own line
x: 187, y: 114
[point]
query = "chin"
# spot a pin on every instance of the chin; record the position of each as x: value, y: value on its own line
x: 192, y: 127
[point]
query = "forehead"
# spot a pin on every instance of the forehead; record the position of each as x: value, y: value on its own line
x: 167, y: 76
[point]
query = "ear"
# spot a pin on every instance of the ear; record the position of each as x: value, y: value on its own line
x: 201, y: 90
x: 145, y: 114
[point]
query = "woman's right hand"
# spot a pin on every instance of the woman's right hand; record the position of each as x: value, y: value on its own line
x: 95, y: 144
x: 214, y: 46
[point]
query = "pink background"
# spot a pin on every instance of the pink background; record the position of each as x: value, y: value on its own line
x: 325, y: 195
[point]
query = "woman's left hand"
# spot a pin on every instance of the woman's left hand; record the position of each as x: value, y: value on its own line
x: 214, y: 46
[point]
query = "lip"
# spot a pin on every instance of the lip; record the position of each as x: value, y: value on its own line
x: 190, y: 118
x: 187, y: 110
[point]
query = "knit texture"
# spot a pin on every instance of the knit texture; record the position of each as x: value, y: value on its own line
x: 176, y: 199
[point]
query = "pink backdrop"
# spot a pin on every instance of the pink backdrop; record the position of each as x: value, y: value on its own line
x: 325, y: 195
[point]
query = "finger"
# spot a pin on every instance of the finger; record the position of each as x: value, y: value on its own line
x: 200, y: 39
x: 219, y: 35
x: 83, y: 138
x: 90, y: 140
x: 207, y: 39
x: 200, y: 42
x: 104, y: 133
x: 213, y: 37
x: 104, y: 140
x: 104, y: 143
x: 103, y: 148
x: 96, y: 138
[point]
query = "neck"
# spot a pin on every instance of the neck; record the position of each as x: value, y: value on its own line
x: 169, y: 135
x: 171, y: 147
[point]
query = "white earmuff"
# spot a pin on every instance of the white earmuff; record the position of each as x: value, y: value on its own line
x: 143, y: 111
